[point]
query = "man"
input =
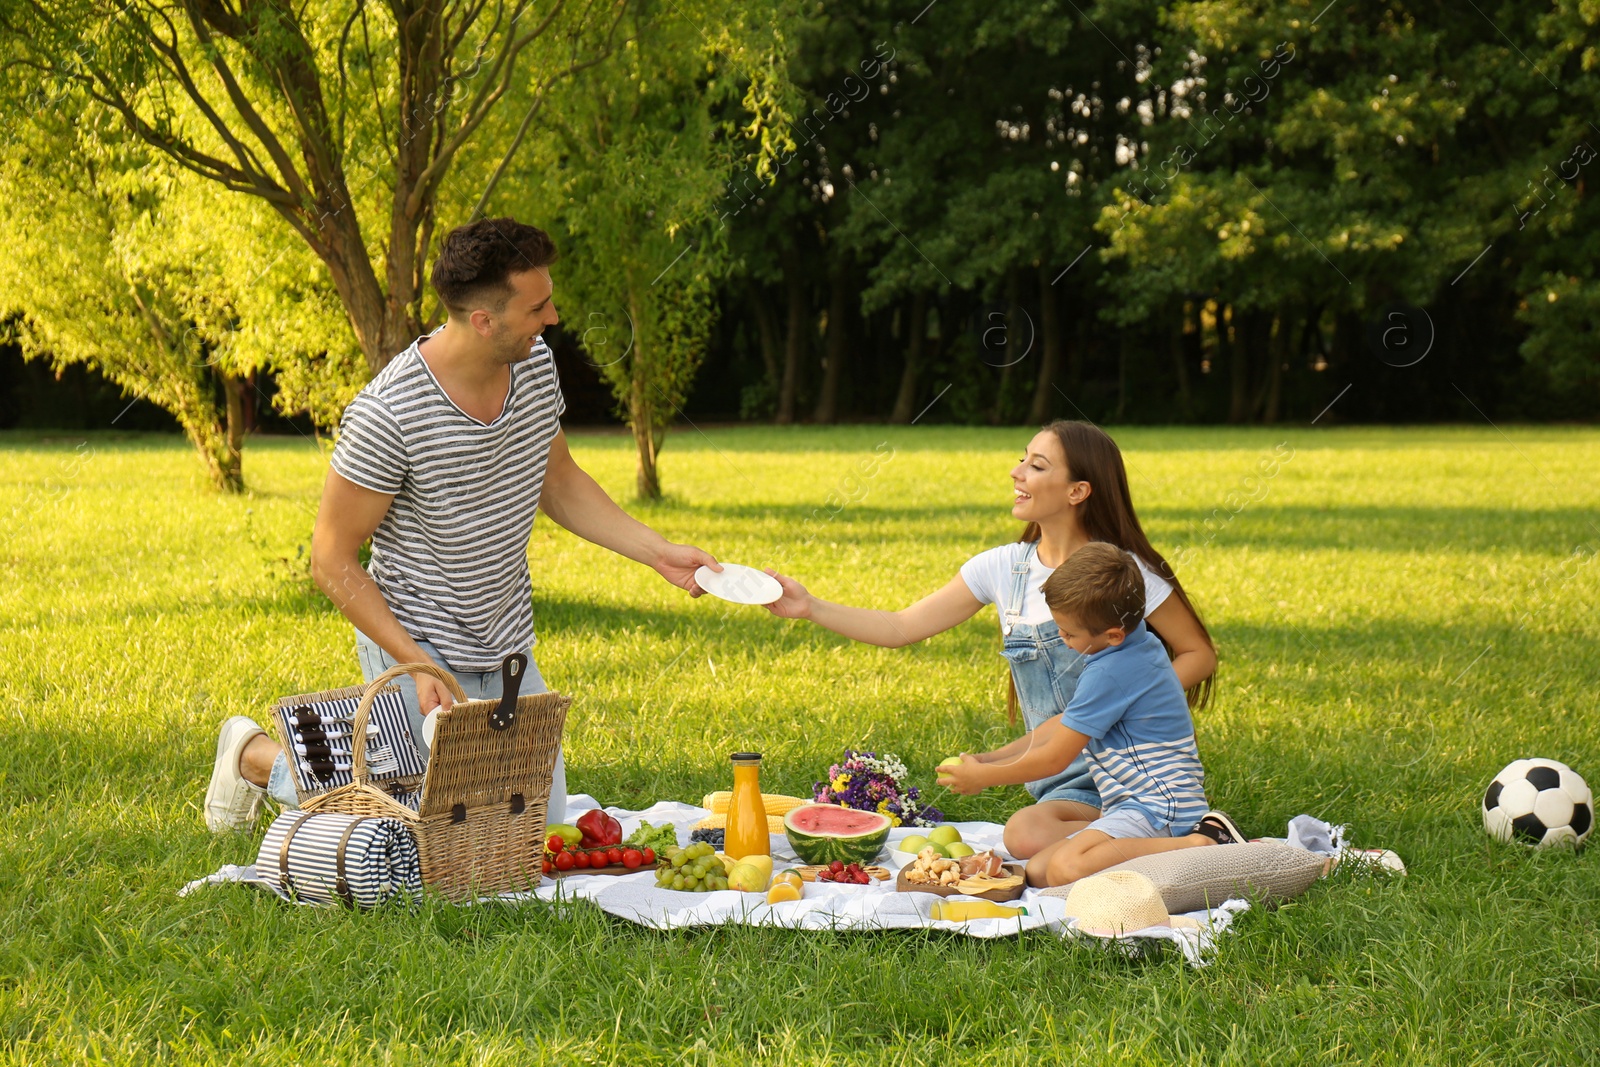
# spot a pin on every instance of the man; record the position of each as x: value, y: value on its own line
x: 442, y: 460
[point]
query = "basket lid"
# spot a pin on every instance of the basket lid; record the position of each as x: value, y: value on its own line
x: 474, y: 765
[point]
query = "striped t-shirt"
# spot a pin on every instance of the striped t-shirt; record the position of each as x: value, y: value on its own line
x: 451, y: 554
x: 1141, y: 748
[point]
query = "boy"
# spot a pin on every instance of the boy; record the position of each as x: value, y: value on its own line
x: 1131, y: 716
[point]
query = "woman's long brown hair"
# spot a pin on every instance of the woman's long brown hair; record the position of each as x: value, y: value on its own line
x: 1093, y: 457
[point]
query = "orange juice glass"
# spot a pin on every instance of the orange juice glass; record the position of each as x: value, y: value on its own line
x: 746, y: 834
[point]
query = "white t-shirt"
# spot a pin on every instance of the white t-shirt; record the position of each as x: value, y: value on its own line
x: 988, y: 576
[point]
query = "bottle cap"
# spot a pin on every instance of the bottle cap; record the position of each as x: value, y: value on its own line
x: 747, y: 757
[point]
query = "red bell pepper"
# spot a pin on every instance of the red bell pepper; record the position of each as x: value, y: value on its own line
x: 599, y: 829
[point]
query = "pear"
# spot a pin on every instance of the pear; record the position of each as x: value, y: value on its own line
x: 748, y: 878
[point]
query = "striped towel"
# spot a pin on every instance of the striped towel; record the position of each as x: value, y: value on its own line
x: 326, y: 857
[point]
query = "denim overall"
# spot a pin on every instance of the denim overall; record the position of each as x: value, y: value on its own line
x: 1045, y: 670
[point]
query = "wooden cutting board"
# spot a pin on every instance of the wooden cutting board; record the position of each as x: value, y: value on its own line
x: 1007, y: 888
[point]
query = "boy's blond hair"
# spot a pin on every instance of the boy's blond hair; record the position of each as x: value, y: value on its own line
x: 1100, y: 586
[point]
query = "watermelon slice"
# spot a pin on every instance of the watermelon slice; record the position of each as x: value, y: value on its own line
x: 822, y: 833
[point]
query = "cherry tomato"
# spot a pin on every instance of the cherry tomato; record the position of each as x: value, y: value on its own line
x: 548, y: 867
x: 556, y: 843
x: 650, y: 855
x: 565, y: 861
x: 613, y: 855
x: 581, y: 860
x: 631, y: 858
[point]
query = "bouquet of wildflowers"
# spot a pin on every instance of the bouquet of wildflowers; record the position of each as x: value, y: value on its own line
x: 870, y: 782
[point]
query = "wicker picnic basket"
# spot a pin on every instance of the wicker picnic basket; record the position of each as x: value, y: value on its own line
x: 480, y: 820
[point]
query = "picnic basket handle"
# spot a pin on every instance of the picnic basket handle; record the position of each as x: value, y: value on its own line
x: 358, y: 743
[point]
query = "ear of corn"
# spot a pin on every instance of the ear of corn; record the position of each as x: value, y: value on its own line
x: 776, y: 803
x: 720, y: 822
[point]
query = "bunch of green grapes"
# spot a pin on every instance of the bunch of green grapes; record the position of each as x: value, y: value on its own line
x: 695, y: 869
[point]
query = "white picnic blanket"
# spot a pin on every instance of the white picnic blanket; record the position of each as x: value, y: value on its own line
x: 824, y: 907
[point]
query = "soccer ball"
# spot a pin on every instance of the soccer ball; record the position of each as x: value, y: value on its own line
x: 1538, y: 802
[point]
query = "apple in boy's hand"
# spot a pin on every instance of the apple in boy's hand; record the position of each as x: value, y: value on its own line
x: 957, y: 775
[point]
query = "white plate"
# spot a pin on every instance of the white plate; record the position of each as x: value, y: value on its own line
x: 739, y: 584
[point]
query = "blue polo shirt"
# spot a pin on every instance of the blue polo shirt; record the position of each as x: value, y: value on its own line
x: 1141, y: 748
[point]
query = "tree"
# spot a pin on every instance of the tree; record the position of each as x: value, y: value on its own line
x: 632, y: 178
x: 347, y: 119
x: 112, y: 258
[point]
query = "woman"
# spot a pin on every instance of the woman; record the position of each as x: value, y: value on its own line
x: 1071, y: 488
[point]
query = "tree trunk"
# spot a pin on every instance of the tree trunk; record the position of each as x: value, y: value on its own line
x: 1272, y: 387
x: 1078, y: 353
x: 218, y: 441
x: 1122, y: 374
x: 1237, y: 349
x: 795, y: 339
x: 642, y: 408
x: 916, y: 351
x: 838, y: 345
x: 766, y: 328
x: 1254, y: 338
x: 236, y: 392
x: 1009, y: 352
x: 648, y: 480
x: 1044, y: 386
x: 1180, y: 363
x: 252, y: 412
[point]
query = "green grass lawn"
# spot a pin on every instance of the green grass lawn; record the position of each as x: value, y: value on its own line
x: 1399, y: 613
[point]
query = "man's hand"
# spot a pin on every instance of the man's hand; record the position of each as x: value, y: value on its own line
x: 795, y: 603
x: 677, y: 564
x: 432, y: 694
x: 966, y: 777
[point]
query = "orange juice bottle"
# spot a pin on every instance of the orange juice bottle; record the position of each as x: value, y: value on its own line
x: 747, y: 815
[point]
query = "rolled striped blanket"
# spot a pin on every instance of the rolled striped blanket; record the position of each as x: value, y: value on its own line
x: 326, y: 857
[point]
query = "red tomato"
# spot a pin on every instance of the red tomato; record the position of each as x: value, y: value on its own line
x: 650, y: 855
x: 556, y: 843
x: 581, y: 860
x: 548, y: 867
x: 631, y: 858
x: 565, y: 861
x: 613, y: 855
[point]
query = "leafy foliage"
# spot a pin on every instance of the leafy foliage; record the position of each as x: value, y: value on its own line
x: 632, y: 174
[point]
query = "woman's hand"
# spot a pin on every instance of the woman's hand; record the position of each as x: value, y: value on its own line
x: 965, y: 777
x: 795, y: 602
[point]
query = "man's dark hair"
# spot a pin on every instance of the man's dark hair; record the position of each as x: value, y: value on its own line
x: 477, y: 260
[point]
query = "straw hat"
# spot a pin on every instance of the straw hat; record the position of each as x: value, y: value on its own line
x: 1120, y: 902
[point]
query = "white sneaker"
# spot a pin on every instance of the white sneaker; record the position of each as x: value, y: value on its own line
x: 232, y: 803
